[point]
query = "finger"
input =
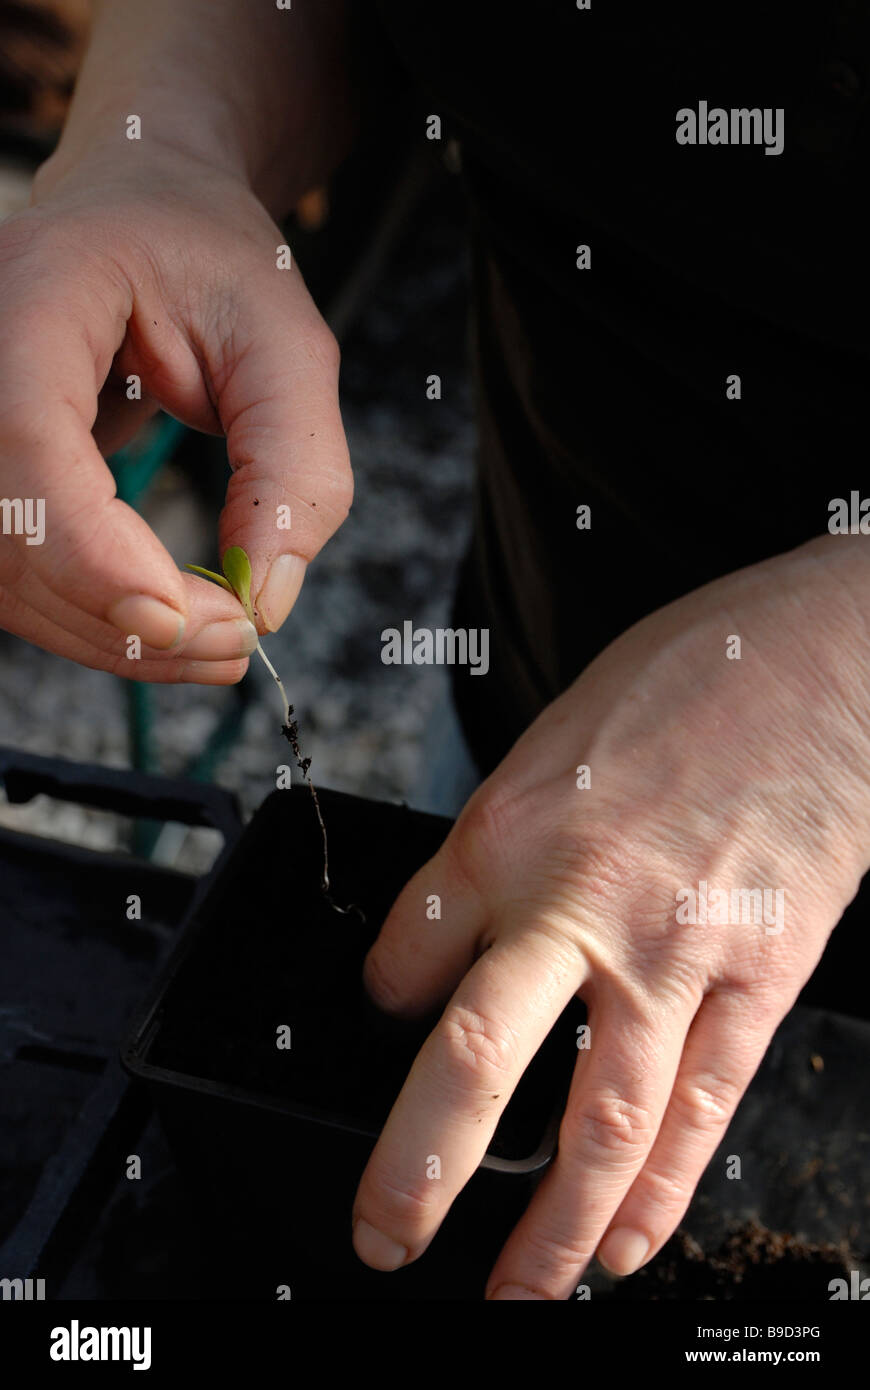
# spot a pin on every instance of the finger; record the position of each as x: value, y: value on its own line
x: 457, y: 1089
x: 209, y: 636
x: 163, y: 668
x: 618, y: 1096
x: 430, y: 939
x: 90, y: 548
x: 725, y: 1045
x: 277, y: 396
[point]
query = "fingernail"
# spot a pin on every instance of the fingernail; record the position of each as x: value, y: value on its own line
x: 155, y: 622
x: 622, y: 1251
x: 280, y: 590
x: 516, y: 1292
x: 223, y: 641
x: 376, y: 1249
x: 212, y: 672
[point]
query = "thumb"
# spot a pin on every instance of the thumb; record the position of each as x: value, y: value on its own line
x: 291, y: 485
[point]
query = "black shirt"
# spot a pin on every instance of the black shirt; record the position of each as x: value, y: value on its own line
x: 606, y: 386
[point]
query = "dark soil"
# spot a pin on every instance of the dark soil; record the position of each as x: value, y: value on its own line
x: 751, y: 1263
x: 272, y: 952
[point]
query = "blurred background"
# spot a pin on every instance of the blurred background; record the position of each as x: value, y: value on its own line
x: 382, y: 250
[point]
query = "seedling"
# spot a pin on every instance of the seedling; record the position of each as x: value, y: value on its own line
x: 236, y: 579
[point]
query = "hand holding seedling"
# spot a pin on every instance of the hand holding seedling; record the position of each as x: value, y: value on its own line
x: 737, y: 773
x: 236, y: 579
x: 152, y: 261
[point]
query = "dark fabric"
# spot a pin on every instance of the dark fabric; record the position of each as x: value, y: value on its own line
x: 606, y: 386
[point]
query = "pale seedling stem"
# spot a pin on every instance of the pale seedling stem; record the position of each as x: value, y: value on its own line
x: 285, y: 703
x: 236, y: 579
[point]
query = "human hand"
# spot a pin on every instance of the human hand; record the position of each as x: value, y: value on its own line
x: 743, y: 774
x: 163, y: 267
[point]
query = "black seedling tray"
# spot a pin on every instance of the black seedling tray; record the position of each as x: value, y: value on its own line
x: 73, y: 966
x: 273, y: 1141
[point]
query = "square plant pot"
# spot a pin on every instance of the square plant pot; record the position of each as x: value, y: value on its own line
x: 272, y: 1141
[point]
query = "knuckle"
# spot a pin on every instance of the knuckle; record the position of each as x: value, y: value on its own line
x: 336, y: 485
x: 667, y: 1193
x: 555, y: 1255
x: 607, y: 1124
x: 322, y: 347
x: 382, y: 976
x: 482, y: 838
x: 397, y: 1200
x: 478, y: 1049
x: 706, y: 1100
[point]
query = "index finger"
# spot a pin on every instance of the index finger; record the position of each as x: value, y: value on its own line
x: 456, y: 1091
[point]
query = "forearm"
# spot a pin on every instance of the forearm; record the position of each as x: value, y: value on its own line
x: 260, y: 92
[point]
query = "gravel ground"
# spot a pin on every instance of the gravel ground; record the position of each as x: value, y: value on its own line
x: 361, y: 722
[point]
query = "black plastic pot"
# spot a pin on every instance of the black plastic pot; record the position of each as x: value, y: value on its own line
x: 273, y: 1141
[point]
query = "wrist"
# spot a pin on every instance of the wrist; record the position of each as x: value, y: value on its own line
x: 263, y: 97
x: 837, y: 654
x: 168, y: 160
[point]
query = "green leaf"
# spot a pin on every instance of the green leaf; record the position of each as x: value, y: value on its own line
x: 210, y: 574
x: 237, y: 568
